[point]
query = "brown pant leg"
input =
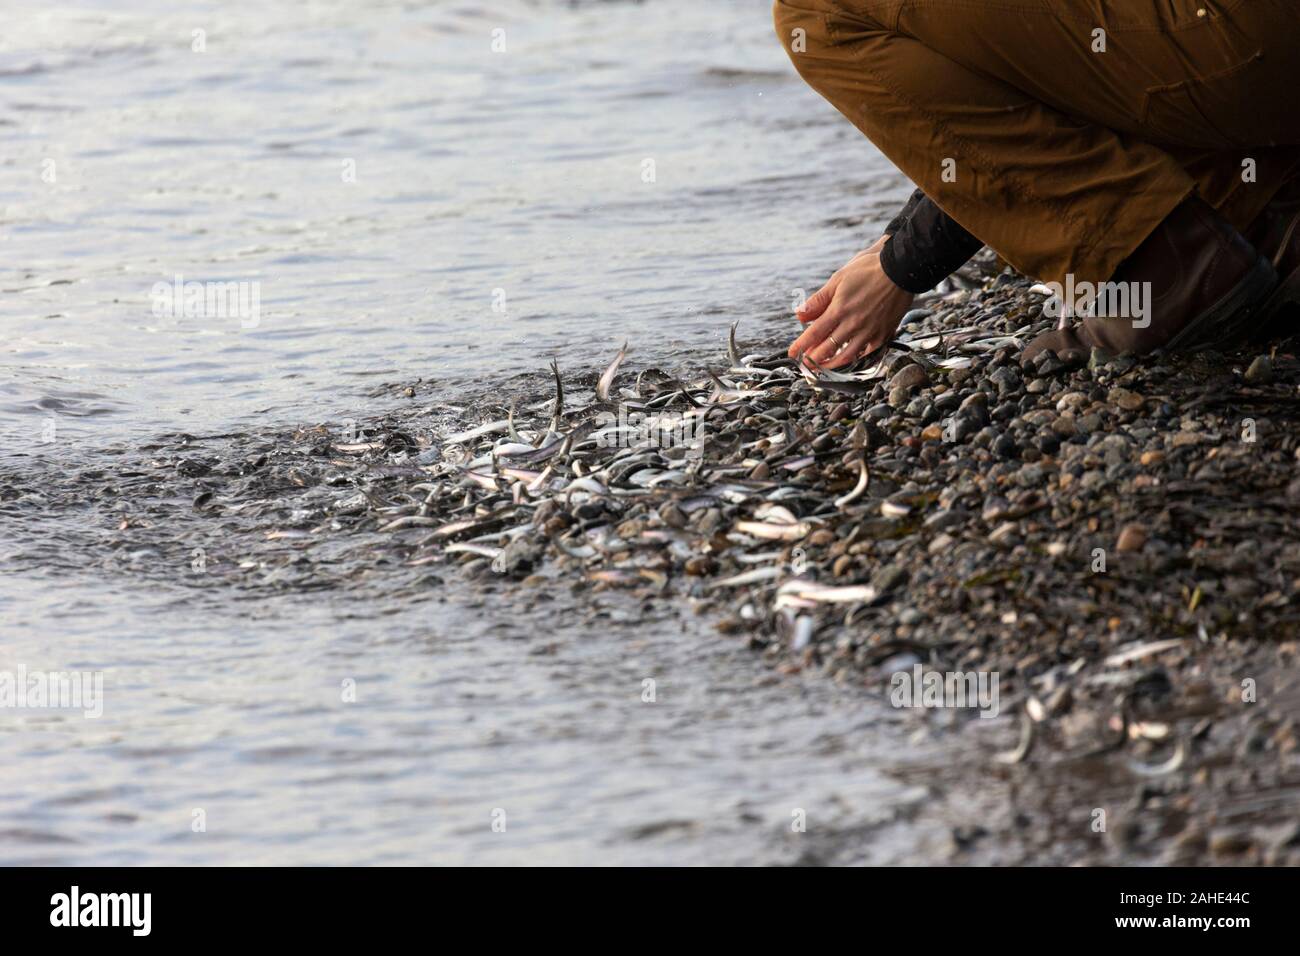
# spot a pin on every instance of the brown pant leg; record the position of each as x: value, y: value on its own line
x: 1030, y: 128
x: 1240, y: 183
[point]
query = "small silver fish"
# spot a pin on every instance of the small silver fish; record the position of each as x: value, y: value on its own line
x: 748, y: 577
x: 607, y: 377
x: 858, y: 489
x: 774, y: 531
x: 488, y: 428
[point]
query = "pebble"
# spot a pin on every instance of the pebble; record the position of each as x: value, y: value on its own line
x: 889, y: 577
x: 1152, y: 457
x: 1125, y: 399
x: 1098, y: 357
x: 908, y: 377
x: 1230, y: 842
x: 1132, y: 537
x: 700, y: 565
x: 1070, y: 401
x: 1003, y: 533
x: 1006, y: 379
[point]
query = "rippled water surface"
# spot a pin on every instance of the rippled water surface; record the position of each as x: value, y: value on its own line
x: 410, y: 203
x: 388, y: 180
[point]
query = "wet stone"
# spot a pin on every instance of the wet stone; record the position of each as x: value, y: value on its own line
x: 1131, y: 538
x: 1006, y: 379
x: 1125, y: 399
x: 908, y: 377
x: 889, y: 577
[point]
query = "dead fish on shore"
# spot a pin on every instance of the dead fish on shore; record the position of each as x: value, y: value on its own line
x: 483, y: 480
x: 756, y: 576
x: 761, y: 557
x: 472, y: 525
x: 1173, y: 763
x: 510, y: 423
x: 487, y: 428
x: 503, y: 450
x: 804, y: 627
x: 626, y: 579
x: 825, y: 379
x: 358, y: 448
x: 1023, y: 747
x: 558, y: 446
x: 793, y: 592
x: 410, y: 521
x: 895, y: 509
x: 557, y: 416
x: 607, y: 377
x: 1135, y: 652
x: 520, y: 474
x: 858, y: 489
x: 733, y: 353
x: 588, y: 485
x: 483, y: 551
x: 726, y: 393
x: 774, y: 530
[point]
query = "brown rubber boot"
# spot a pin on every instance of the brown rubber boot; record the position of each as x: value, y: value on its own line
x: 1205, y: 281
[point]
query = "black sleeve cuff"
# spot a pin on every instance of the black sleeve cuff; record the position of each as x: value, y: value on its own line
x: 905, y: 213
x: 925, y: 246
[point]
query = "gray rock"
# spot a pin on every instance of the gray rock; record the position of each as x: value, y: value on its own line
x: 909, y: 376
x: 1006, y: 378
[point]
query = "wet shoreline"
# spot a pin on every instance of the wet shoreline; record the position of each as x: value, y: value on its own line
x: 1153, y: 696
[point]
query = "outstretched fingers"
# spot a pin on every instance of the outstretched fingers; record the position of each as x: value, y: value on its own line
x: 815, y: 335
x: 830, y: 347
x: 854, y: 349
x: 816, y: 304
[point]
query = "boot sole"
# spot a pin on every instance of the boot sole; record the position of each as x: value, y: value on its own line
x: 1225, y: 323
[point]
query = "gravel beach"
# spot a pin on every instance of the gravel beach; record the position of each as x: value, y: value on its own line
x: 1116, y: 545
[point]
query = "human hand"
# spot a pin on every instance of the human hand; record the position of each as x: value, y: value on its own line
x: 854, y: 313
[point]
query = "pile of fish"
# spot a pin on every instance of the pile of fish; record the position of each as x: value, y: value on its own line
x: 649, y: 478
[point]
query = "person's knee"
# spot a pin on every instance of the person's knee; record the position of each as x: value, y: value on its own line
x: 811, y: 30
x: 797, y: 27
x: 782, y: 21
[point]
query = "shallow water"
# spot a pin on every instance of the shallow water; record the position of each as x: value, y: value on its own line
x: 459, y: 713
x: 132, y: 159
x: 494, y: 212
